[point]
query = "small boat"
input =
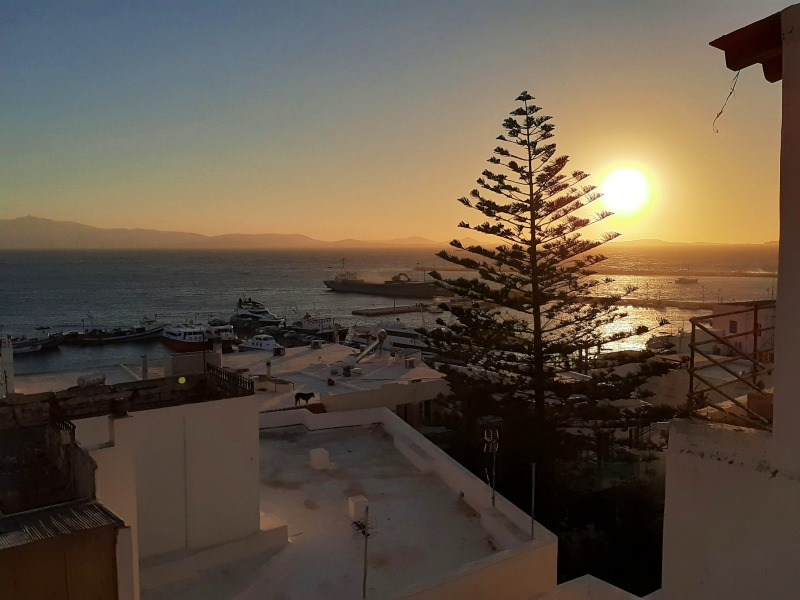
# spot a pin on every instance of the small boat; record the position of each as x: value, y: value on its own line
x: 21, y: 344
x: 397, y: 335
x: 261, y: 341
x: 686, y: 280
x: 318, y: 326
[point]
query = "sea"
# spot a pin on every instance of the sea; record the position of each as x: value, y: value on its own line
x: 73, y: 290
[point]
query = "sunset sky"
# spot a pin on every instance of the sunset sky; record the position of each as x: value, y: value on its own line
x: 369, y: 119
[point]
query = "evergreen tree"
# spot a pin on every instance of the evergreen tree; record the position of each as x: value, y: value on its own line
x: 533, y: 310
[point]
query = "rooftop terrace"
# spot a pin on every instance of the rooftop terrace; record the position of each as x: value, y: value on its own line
x: 422, y: 530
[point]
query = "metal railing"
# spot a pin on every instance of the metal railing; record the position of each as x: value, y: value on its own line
x: 236, y: 384
x: 753, y: 345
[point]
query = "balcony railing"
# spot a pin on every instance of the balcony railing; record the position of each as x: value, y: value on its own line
x: 235, y: 384
x: 752, y: 345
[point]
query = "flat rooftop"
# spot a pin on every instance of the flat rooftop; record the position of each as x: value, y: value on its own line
x: 309, y: 370
x: 53, y: 381
x: 421, y: 529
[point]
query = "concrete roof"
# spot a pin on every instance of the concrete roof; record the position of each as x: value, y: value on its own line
x: 309, y: 370
x: 34, y: 383
x: 421, y: 529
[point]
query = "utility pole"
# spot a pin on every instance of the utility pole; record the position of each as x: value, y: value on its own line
x: 533, y: 496
x: 491, y: 438
x: 366, y: 542
x: 362, y: 527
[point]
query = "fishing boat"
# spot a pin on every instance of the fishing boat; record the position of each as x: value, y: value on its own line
x: 399, y: 286
x: 219, y: 332
x: 686, y: 280
x: 261, y: 341
x: 21, y: 344
x: 147, y: 329
x: 191, y: 337
x: 185, y: 337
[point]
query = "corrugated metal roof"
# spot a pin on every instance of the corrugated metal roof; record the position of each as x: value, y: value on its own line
x: 53, y: 521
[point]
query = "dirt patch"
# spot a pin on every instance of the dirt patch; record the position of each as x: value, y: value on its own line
x: 311, y: 505
x: 380, y: 561
x: 465, y: 509
x: 354, y: 489
x: 281, y: 484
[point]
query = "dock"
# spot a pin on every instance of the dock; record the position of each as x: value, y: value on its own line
x: 379, y: 311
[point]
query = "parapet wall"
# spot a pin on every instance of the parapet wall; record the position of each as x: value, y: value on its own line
x: 731, y: 527
x: 390, y: 395
x: 523, y: 569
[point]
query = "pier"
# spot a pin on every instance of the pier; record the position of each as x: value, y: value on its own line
x: 379, y: 311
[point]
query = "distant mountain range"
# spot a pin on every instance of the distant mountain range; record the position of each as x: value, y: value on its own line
x: 33, y: 233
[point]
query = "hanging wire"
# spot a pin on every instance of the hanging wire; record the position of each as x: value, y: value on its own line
x: 730, y: 93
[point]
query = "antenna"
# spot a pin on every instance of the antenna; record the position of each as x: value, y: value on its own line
x: 363, y: 528
x: 491, y: 439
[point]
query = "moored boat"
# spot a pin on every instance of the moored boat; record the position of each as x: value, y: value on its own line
x: 399, y: 286
x: 397, y: 335
x: 185, y: 337
x: 191, y: 337
x: 219, y: 332
x: 22, y: 344
x: 324, y: 327
x: 146, y: 330
x: 250, y: 314
x: 261, y: 341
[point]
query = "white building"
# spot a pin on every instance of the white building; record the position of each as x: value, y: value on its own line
x: 398, y: 379
x: 745, y: 328
x: 434, y: 531
x: 731, y: 526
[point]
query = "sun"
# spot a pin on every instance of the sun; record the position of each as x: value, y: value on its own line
x: 626, y: 191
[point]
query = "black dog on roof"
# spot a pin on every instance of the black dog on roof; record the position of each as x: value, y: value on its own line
x: 302, y: 396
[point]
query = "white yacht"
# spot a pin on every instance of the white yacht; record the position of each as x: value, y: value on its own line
x: 261, y: 341
x: 398, y: 335
x: 253, y: 315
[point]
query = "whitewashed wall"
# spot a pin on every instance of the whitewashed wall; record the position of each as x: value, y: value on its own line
x: 731, y: 522
x: 197, y: 481
x: 787, y: 325
x: 182, y: 477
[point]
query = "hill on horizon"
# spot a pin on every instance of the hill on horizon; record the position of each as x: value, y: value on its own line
x: 34, y: 233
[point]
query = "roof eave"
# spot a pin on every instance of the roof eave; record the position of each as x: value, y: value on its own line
x: 759, y: 42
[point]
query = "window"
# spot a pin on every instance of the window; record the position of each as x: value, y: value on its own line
x: 733, y: 327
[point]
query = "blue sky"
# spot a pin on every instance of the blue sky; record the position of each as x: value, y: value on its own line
x: 369, y: 119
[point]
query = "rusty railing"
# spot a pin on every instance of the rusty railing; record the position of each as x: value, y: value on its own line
x: 753, y: 345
